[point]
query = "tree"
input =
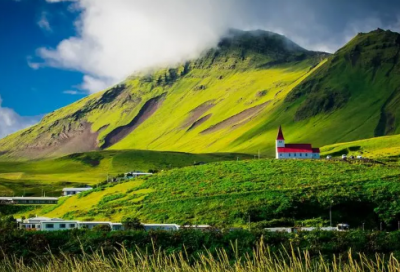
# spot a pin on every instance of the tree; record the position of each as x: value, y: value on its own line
x: 105, y: 228
x: 8, y: 223
x: 132, y: 223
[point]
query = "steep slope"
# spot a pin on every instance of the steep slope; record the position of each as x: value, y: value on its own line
x: 200, y: 106
x: 354, y: 95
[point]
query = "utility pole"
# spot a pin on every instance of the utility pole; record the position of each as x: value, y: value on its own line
x: 330, y: 213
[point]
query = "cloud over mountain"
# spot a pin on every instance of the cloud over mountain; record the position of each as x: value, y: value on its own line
x: 115, y: 38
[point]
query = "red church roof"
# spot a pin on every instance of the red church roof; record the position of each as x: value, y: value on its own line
x: 294, y: 148
x: 300, y: 146
x: 297, y: 150
x: 280, y: 135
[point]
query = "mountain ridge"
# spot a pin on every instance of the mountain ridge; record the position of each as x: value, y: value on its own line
x: 233, y: 99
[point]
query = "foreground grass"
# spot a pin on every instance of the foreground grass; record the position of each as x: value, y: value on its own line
x: 261, y: 259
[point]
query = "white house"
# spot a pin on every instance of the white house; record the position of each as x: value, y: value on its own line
x: 167, y: 227
x: 54, y: 225
x: 74, y: 191
x: 57, y: 224
x: 34, y: 223
x: 28, y: 200
x: 294, y: 151
x: 132, y: 175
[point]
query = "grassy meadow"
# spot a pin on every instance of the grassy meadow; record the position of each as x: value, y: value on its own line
x: 269, y: 192
x: 49, y: 176
x: 379, y: 147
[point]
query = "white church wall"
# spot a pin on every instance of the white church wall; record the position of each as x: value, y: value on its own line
x: 297, y: 155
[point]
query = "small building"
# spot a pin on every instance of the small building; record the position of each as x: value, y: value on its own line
x: 90, y: 225
x: 74, y: 191
x: 54, y: 225
x: 294, y: 151
x: 29, y: 200
x: 166, y: 227
x: 197, y: 227
x: 34, y: 223
x: 135, y: 174
x: 57, y: 224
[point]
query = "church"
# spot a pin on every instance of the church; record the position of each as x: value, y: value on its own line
x: 294, y: 151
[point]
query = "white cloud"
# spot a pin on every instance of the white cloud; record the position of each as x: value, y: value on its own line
x: 118, y: 37
x: 115, y: 38
x: 44, y: 23
x: 11, y: 122
x: 93, y: 85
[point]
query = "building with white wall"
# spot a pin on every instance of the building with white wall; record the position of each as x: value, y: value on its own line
x: 74, y: 191
x: 29, y: 200
x: 57, y: 224
x: 294, y: 151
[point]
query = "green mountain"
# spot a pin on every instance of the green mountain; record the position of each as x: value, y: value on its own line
x: 232, y: 99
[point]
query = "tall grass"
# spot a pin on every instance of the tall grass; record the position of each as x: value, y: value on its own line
x: 261, y: 259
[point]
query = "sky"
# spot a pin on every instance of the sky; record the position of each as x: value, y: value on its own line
x: 55, y: 52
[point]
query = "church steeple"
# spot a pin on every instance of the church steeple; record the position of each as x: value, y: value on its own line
x: 280, y: 134
x: 280, y: 141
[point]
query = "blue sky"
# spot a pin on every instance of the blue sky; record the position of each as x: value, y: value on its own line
x: 54, y: 52
x: 33, y: 91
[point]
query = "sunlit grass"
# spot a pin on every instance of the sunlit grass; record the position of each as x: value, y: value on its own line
x: 373, y: 148
x: 261, y: 259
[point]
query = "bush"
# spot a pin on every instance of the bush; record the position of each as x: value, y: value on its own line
x: 132, y: 223
x: 105, y: 228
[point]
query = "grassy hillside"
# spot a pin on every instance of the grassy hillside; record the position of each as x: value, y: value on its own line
x: 379, y: 147
x: 354, y: 95
x: 51, y: 175
x: 268, y: 191
x: 233, y: 99
x: 200, y: 106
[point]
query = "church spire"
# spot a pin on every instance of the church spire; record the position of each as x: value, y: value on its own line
x: 280, y: 135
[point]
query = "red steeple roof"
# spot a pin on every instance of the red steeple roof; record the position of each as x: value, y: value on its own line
x: 280, y: 135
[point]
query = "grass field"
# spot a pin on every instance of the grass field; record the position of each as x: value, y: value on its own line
x: 51, y: 175
x: 227, y: 193
x: 378, y: 147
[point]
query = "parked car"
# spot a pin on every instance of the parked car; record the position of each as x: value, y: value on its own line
x: 328, y: 157
x: 344, y: 156
x: 360, y: 157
